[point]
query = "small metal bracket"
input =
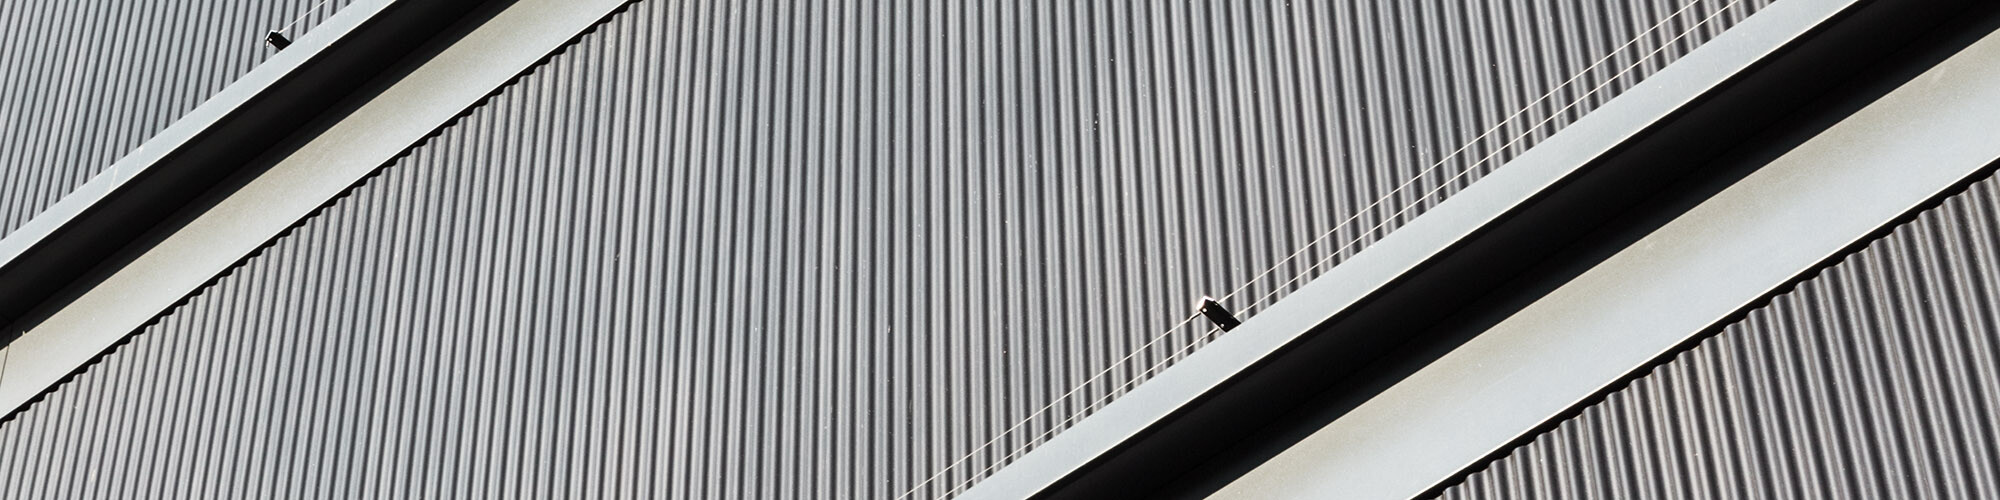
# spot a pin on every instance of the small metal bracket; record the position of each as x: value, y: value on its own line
x: 277, y: 40
x: 1219, y: 315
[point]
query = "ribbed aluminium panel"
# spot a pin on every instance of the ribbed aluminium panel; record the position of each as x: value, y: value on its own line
x: 1878, y: 378
x: 83, y: 83
x: 822, y: 249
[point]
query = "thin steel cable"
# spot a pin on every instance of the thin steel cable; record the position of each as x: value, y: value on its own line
x: 1058, y: 400
x: 1448, y: 181
x: 314, y: 9
x: 1474, y: 140
x: 1155, y: 339
x: 1064, y: 424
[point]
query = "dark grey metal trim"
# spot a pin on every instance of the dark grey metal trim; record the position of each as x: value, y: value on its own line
x: 364, y: 139
x: 1789, y: 217
x: 184, y: 131
x: 1872, y: 377
x: 1546, y: 172
x: 213, y: 141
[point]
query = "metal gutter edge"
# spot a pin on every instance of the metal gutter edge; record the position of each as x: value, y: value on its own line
x: 1484, y: 205
x: 1806, y: 207
x: 216, y: 140
x: 370, y: 136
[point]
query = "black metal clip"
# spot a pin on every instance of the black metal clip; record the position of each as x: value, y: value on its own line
x: 277, y: 40
x: 1217, y: 314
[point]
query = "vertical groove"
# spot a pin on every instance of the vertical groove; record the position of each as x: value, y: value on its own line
x: 82, y: 85
x: 1875, y: 378
x: 810, y: 249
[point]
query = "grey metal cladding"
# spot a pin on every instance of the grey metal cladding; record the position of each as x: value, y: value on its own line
x: 84, y: 83
x: 819, y: 249
x: 1875, y: 379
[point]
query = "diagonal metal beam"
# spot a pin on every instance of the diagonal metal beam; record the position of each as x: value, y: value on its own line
x: 1731, y: 86
x: 217, y: 139
x: 60, y: 337
x: 1899, y: 153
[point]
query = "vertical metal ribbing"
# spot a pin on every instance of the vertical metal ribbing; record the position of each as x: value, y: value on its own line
x: 1876, y: 378
x: 82, y: 85
x: 809, y: 249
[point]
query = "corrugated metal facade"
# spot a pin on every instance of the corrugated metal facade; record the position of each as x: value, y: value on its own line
x: 1878, y: 378
x: 84, y: 83
x: 821, y: 249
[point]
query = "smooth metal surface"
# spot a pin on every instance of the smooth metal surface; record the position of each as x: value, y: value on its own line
x: 1874, y: 379
x: 212, y: 243
x: 828, y: 250
x: 84, y: 84
x: 1786, y: 218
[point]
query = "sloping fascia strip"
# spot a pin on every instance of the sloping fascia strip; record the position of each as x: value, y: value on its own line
x: 227, y: 134
x: 149, y: 154
x: 369, y: 137
x: 1534, y: 174
x: 183, y: 131
x: 1775, y: 225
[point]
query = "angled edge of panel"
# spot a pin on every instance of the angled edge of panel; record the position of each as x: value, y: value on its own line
x: 1840, y: 189
x: 58, y: 339
x: 1980, y: 22
x: 213, y: 141
x: 1692, y: 403
x: 1737, y: 83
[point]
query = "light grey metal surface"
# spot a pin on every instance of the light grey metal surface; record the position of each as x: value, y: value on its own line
x: 1689, y: 276
x: 1874, y: 379
x: 84, y: 83
x: 1533, y: 176
x: 441, y: 88
x: 814, y: 249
